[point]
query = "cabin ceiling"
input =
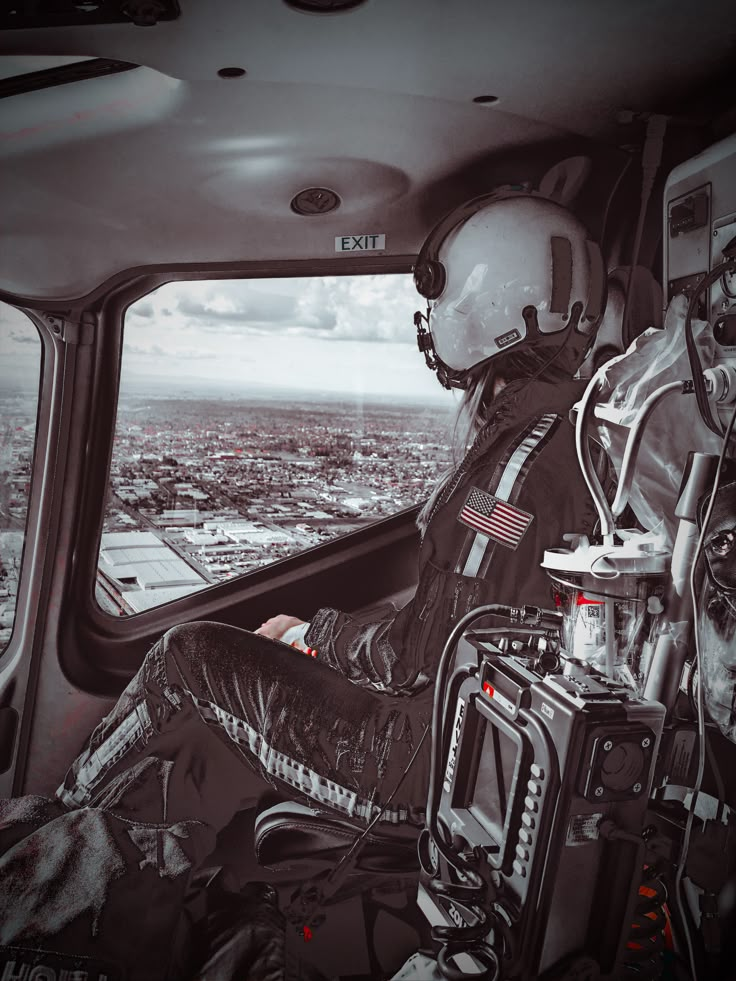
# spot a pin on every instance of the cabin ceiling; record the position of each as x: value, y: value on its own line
x: 170, y: 163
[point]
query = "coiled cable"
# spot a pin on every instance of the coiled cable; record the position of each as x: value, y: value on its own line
x: 643, y: 957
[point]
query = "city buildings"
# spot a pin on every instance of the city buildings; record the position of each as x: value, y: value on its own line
x: 210, y: 489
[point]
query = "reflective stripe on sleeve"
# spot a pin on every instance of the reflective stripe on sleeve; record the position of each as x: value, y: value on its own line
x: 509, y: 484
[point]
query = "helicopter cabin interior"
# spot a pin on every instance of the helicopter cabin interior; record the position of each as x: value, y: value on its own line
x: 212, y: 405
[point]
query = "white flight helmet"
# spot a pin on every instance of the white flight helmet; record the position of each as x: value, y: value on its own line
x: 506, y: 270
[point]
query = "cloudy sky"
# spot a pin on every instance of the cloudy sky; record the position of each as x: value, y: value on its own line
x: 20, y: 350
x: 331, y: 334
x: 337, y: 334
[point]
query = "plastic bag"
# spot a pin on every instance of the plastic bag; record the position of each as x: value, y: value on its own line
x: 656, y: 358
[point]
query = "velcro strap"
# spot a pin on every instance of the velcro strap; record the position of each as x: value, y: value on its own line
x: 561, y: 274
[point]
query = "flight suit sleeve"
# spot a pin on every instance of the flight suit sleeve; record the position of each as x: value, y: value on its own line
x: 512, y: 511
x: 361, y: 649
x: 484, y: 545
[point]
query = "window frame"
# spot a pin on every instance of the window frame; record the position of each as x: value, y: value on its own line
x: 21, y: 661
x: 305, y: 396
x: 42, y: 395
x: 119, y: 643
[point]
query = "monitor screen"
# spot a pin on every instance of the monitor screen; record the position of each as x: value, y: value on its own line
x: 491, y: 797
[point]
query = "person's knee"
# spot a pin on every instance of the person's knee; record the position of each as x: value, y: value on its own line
x: 191, y: 640
x: 200, y: 640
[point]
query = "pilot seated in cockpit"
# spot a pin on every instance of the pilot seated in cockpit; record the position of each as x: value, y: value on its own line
x: 513, y: 311
x: 216, y: 714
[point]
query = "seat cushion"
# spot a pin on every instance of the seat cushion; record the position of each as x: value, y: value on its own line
x: 289, y: 832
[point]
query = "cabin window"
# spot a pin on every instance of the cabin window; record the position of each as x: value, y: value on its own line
x: 20, y: 366
x: 258, y: 419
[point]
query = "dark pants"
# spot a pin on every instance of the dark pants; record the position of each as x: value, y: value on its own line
x: 216, y: 715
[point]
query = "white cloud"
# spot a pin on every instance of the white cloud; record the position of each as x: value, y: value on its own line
x: 283, y: 333
x: 371, y: 308
x: 368, y: 308
x: 274, y: 333
x: 20, y: 349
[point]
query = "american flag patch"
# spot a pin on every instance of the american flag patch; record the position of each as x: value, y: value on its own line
x: 498, y: 519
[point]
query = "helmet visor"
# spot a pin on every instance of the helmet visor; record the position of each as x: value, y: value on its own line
x: 478, y: 320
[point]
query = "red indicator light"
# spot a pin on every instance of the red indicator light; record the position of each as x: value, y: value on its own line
x: 488, y: 688
x: 307, y: 934
x: 585, y: 601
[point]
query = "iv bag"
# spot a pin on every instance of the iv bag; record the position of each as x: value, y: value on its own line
x: 656, y: 358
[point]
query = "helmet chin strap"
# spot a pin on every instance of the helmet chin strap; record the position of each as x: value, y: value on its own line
x: 448, y: 377
x: 458, y: 378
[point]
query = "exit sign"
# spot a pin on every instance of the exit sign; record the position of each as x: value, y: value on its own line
x: 360, y: 243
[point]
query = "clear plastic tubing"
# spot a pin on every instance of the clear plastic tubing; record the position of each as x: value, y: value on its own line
x: 633, y: 443
x: 586, y: 463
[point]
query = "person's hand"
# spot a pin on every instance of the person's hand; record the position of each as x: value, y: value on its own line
x: 276, y: 627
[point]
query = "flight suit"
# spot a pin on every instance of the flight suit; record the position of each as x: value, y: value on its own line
x: 216, y: 714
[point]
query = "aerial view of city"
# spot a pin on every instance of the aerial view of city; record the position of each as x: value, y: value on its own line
x: 202, y: 490
x: 220, y: 466
x: 205, y: 489
x: 17, y: 437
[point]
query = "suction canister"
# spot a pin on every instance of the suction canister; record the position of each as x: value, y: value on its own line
x: 610, y: 597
